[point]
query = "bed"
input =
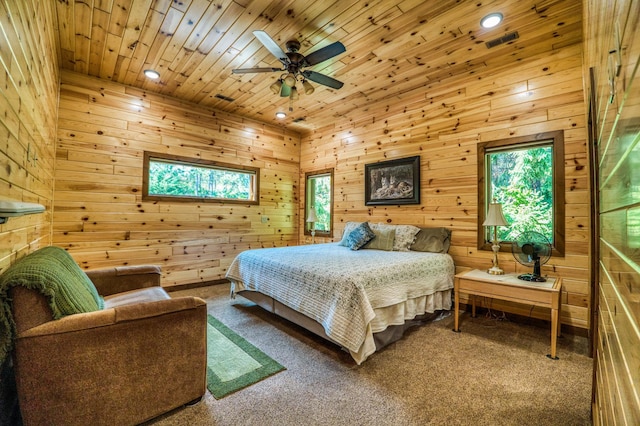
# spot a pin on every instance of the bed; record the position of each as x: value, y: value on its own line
x: 360, y: 299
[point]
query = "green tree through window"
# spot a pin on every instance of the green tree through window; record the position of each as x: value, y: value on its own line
x: 525, y: 175
x: 319, y: 195
x: 521, y: 180
x: 171, y: 177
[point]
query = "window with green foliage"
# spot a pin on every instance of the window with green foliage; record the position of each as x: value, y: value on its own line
x: 169, y: 177
x: 526, y: 176
x: 319, y: 198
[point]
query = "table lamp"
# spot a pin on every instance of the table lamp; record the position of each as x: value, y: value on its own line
x: 311, y: 219
x: 495, y: 218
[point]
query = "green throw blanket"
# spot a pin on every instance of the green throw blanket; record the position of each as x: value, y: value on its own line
x: 54, y: 273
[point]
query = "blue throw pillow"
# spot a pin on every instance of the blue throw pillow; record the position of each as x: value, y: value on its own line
x: 360, y: 236
x: 348, y: 227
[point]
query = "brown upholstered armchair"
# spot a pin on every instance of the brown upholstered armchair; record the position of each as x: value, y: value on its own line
x: 142, y: 355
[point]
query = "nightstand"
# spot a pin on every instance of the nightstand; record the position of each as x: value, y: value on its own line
x: 510, y: 287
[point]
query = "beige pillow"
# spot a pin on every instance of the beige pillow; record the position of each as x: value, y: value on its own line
x: 384, y: 239
x: 405, y: 234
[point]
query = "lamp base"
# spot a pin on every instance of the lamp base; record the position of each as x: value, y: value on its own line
x: 494, y: 270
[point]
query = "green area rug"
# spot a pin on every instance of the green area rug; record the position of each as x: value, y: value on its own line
x: 232, y: 362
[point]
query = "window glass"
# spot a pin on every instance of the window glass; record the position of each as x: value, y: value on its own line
x: 319, y: 191
x: 178, y: 178
x: 522, y: 181
x: 526, y: 176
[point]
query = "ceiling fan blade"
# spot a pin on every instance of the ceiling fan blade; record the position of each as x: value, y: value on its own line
x: 253, y: 70
x: 323, y: 79
x: 271, y: 45
x: 324, y: 53
x: 285, y: 91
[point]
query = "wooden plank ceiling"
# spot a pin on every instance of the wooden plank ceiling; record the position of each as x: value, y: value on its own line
x: 397, y: 52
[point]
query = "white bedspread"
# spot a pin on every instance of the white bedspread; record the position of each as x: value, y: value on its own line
x: 338, y: 287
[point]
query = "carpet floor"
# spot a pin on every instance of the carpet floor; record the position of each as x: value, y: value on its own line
x: 492, y: 373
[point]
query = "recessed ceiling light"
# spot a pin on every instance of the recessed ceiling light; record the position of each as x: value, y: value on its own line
x: 280, y: 115
x: 152, y: 74
x: 491, y: 20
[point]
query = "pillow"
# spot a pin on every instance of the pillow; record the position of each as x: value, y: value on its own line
x: 348, y: 227
x: 405, y: 234
x: 383, y: 240
x: 360, y: 236
x: 435, y: 240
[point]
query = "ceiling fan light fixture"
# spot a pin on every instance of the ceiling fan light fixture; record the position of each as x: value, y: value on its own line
x: 491, y: 20
x: 153, y: 74
x: 294, y: 93
x: 276, y: 86
x: 290, y: 80
x: 308, y: 88
x: 285, y: 91
x: 292, y: 66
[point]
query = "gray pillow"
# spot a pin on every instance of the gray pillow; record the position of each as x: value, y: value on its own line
x: 435, y: 240
x: 360, y: 236
x: 383, y: 240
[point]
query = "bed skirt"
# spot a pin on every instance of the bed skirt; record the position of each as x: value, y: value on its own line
x: 387, y: 327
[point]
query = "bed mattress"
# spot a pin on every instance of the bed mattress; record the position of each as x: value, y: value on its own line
x: 351, y: 294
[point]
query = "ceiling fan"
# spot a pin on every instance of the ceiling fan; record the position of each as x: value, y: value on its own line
x: 293, y: 66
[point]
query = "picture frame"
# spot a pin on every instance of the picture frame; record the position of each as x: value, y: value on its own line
x: 392, y: 182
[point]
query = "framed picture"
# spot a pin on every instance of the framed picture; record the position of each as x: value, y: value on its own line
x: 392, y: 182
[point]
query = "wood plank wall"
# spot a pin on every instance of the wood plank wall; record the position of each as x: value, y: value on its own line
x: 612, y: 49
x: 443, y: 124
x: 28, y: 115
x: 99, y: 216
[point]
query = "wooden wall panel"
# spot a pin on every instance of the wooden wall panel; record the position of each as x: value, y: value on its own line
x: 99, y: 215
x: 612, y: 51
x: 443, y: 124
x: 28, y: 115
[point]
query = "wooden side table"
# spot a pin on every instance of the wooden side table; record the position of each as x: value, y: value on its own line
x: 509, y: 287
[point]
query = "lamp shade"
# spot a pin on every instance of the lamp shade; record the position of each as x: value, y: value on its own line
x: 312, y: 216
x: 294, y: 93
x: 495, y: 217
x: 308, y: 88
x: 285, y: 91
x: 290, y: 80
x: 275, y: 87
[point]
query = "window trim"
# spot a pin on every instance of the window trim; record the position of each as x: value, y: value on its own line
x: 557, y: 142
x: 148, y: 156
x: 318, y: 173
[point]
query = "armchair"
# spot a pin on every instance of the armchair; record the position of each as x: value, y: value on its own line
x: 141, y: 355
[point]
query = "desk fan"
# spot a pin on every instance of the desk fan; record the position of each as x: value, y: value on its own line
x: 532, y: 249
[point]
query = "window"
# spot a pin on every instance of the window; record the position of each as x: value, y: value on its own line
x: 169, y: 177
x: 319, y: 197
x: 525, y: 175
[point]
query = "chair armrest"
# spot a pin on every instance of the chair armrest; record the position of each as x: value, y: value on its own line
x: 122, y: 365
x: 113, y: 316
x: 119, y: 279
